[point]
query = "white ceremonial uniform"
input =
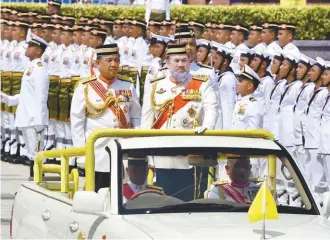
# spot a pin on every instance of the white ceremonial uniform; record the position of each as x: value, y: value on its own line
x: 137, y: 50
x: 158, y: 6
x: 248, y: 114
x: 273, y: 48
x: 82, y: 125
x: 262, y: 94
x: 324, y: 148
x: 109, y: 40
x: 299, y: 124
x: 260, y: 47
x: 18, y: 63
x: 34, y: 92
x: 46, y: 57
x: 242, y: 46
x: 154, y: 69
x: 124, y: 44
x: 273, y: 114
x: 234, y: 192
x: 198, y: 68
x: 227, y: 90
x: 85, y: 61
x: 230, y: 45
x: 314, y: 167
x: 287, y: 100
x: 292, y: 49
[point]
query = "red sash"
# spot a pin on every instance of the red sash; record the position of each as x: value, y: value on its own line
x: 179, y: 103
x: 101, y: 91
x: 234, y: 194
x: 128, y: 192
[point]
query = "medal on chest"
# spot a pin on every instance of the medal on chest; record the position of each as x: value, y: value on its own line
x: 191, y: 94
x: 66, y: 61
x: 191, y: 112
x: 77, y: 60
x: 242, y: 109
x: 46, y: 58
x: 161, y: 91
x: 16, y: 55
x: 126, y: 50
x: 28, y: 73
x: 133, y: 53
x: 8, y: 55
x: 123, y: 95
x: 85, y: 60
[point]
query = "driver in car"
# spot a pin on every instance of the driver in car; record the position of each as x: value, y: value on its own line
x: 239, y: 189
x: 137, y: 172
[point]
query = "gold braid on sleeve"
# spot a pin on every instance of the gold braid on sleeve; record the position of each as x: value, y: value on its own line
x: 94, y: 111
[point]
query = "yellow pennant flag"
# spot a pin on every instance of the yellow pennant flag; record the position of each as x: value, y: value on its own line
x: 263, y: 206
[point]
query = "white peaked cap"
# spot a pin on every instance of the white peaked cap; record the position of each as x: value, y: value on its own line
x: 305, y: 59
x: 249, y: 73
x: 37, y: 40
x: 320, y: 61
x: 160, y: 38
x: 201, y: 42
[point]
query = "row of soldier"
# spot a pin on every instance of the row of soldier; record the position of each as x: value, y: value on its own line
x: 279, y: 89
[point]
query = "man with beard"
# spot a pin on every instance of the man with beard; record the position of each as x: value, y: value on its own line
x: 239, y: 189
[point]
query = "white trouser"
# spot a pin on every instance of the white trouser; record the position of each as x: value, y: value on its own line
x: 326, y: 160
x: 31, y: 141
x: 13, y: 133
x: 63, y: 138
x: 50, y: 135
x: 23, y: 150
x: 300, y: 155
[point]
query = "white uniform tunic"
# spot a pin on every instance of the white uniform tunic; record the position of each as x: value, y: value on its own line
x: 260, y: 47
x: 273, y: 114
x: 286, y: 105
x: 86, y: 54
x: 273, y: 48
x: 248, y: 114
x: 137, y: 50
x: 82, y: 125
x: 292, y: 49
x: 227, y: 90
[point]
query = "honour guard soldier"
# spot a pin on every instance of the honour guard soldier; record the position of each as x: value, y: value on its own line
x: 269, y: 36
x: 238, y: 35
x: 103, y: 101
x: 34, y: 92
x: 203, y: 51
x: 324, y: 148
x: 227, y: 83
x: 198, y: 28
x: 285, y: 37
x: 260, y: 64
x: 223, y: 33
x: 137, y: 171
x: 54, y: 7
x: 85, y: 53
x: 14, y: 66
x: 287, y: 100
x: 254, y: 38
x: 313, y: 110
x: 165, y: 28
x: 179, y: 100
x: 299, y: 119
x: 248, y: 112
x: 153, y: 28
x: 239, y: 189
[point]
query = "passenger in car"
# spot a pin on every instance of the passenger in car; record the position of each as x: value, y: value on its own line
x: 239, y: 189
x: 137, y: 171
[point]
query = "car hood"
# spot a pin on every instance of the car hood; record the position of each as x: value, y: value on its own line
x: 229, y: 226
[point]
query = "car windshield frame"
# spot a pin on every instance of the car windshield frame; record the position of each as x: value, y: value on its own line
x: 260, y: 152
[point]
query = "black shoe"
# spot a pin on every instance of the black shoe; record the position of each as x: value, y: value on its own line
x: 10, y: 158
x: 31, y: 163
x: 81, y: 172
x: 50, y: 147
x: 26, y: 161
x: 19, y: 160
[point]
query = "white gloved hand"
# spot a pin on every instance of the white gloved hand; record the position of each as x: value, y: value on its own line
x: 39, y: 128
x: 81, y: 162
x: 200, y: 129
x: 4, y: 98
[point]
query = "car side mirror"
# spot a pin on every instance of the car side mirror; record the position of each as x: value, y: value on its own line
x: 87, y: 202
x: 326, y: 204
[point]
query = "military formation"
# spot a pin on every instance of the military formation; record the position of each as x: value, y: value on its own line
x: 64, y: 77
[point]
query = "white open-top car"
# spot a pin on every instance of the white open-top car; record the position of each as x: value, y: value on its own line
x: 55, y: 207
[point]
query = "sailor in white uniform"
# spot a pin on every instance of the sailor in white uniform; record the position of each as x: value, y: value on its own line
x: 254, y: 39
x: 285, y: 37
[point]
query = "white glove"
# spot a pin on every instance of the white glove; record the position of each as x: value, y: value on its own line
x: 4, y: 98
x: 39, y: 128
x: 200, y: 129
x: 81, y: 162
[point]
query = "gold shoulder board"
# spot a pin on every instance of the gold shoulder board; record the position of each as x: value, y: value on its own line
x: 201, y: 77
x: 252, y: 99
x: 88, y: 79
x: 124, y: 78
x: 155, y: 79
x: 163, y: 68
x: 39, y: 64
x: 204, y: 66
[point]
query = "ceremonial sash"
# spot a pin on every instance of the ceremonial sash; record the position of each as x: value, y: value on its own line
x: 178, y: 102
x: 101, y: 91
x: 234, y: 194
x: 128, y: 192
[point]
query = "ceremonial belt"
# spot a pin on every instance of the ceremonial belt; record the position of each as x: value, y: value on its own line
x: 234, y: 194
x: 128, y: 192
x: 101, y: 91
x: 178, y: 103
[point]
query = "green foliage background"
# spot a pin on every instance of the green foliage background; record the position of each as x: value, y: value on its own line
x: 313, y: 22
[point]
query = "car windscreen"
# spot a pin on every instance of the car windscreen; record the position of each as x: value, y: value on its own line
x: 208, y: 180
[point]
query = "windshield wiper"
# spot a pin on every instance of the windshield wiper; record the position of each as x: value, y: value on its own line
x: 198, y: 207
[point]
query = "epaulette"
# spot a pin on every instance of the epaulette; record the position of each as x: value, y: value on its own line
x: 204, y: 66
x: 88, y: 79
x: 154, y: 187
x: 155, y: 79
x: 39, y: 64
x: 163, y: 68
x: 124, y: 78
x: 220, y: 183
x: 252, y: 99
x: 201, y: 77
